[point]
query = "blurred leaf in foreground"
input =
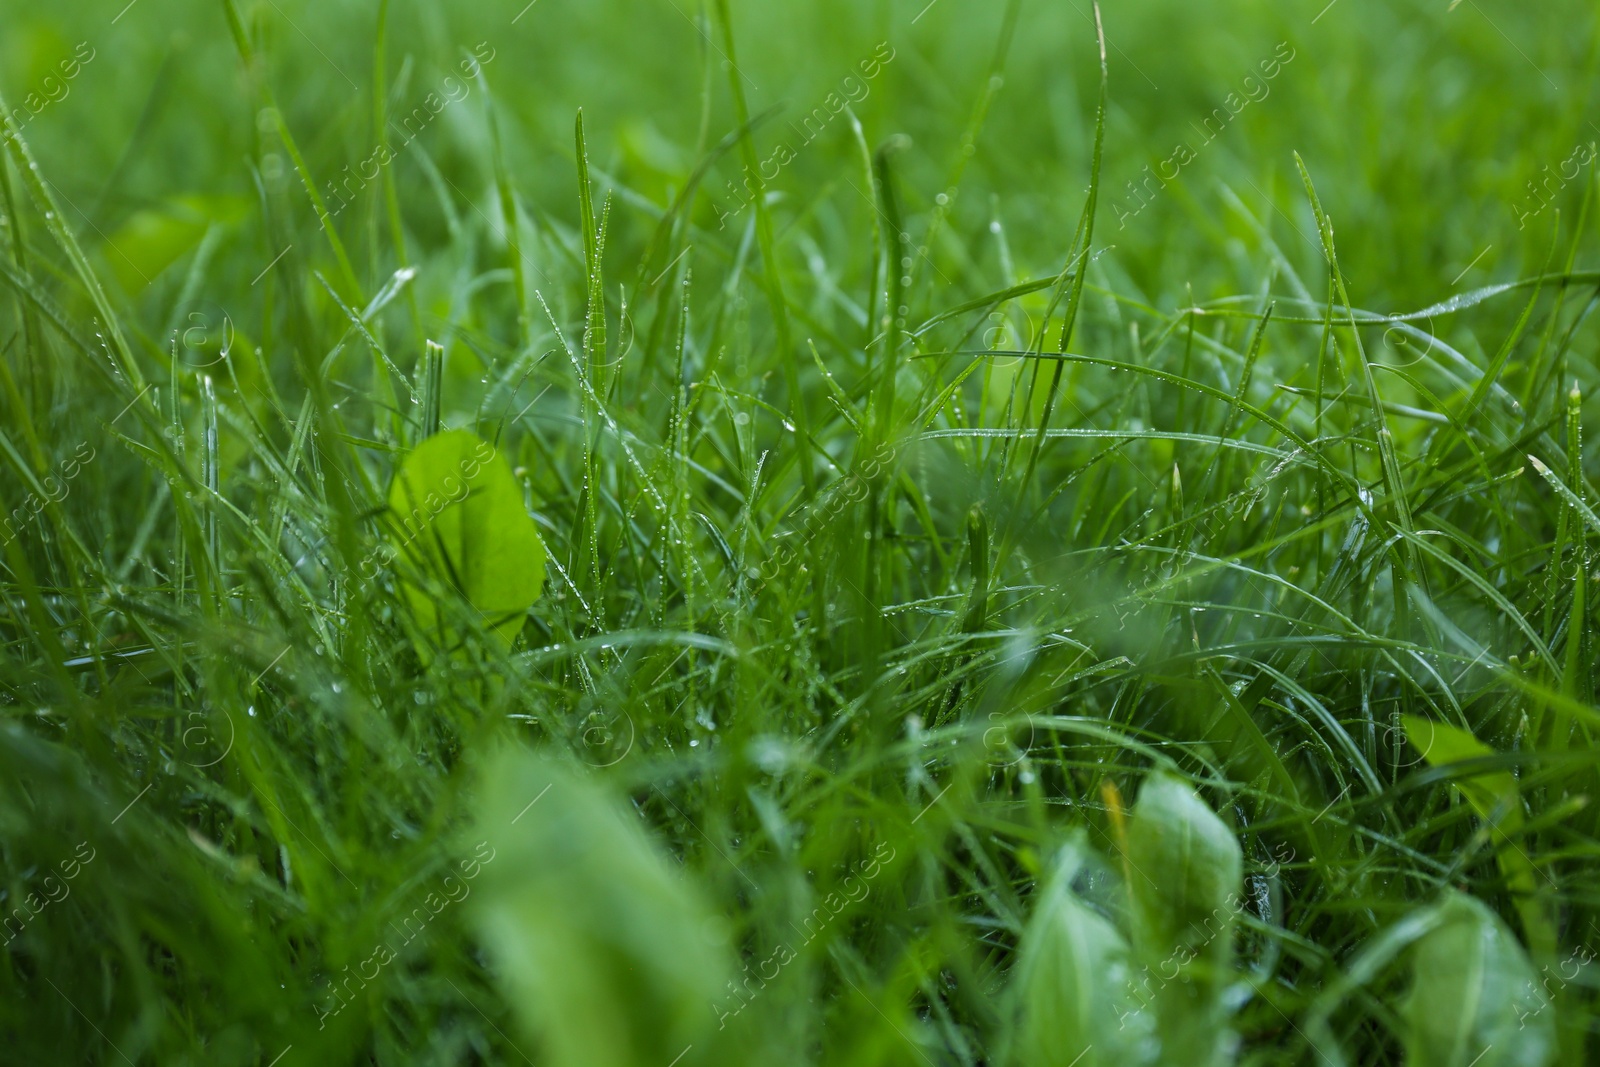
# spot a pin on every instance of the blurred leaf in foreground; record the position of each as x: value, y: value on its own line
x: 1184, y: 871
x: 1073, y: 994
x: 601, y: 947
x: 1475, y: 999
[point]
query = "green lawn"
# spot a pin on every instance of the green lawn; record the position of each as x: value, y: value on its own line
x: 701, y: 532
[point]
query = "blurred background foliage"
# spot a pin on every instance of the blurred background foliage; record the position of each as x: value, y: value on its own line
x: 1404, y: 113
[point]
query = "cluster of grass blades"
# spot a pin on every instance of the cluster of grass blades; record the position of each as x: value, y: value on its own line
x: 399, y: 672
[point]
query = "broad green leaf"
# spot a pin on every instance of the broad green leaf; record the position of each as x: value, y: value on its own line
x: 1074, y: 996
x: 1495, y: 797
x: 602, y: 947
x: 1493, y: 794
x: 1475, y: 999
x: 153, y: 238
x: 1184, y: 871
x: 457, y: 523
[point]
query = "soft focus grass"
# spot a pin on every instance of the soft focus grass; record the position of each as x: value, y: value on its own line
x: 821, y: 598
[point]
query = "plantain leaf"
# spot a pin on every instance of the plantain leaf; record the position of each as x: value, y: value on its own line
x: 1073, y: 998
x: 1475, y: 998
x: 457, y: 522
x: 1495, y: 797
x: 1493, y: 794
x: 1184, y: 873
x: 603, y: 950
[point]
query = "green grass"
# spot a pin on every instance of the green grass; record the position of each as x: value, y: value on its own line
x: 981, y: 574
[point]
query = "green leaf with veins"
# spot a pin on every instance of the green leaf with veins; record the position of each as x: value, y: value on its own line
x: 457, y: 525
